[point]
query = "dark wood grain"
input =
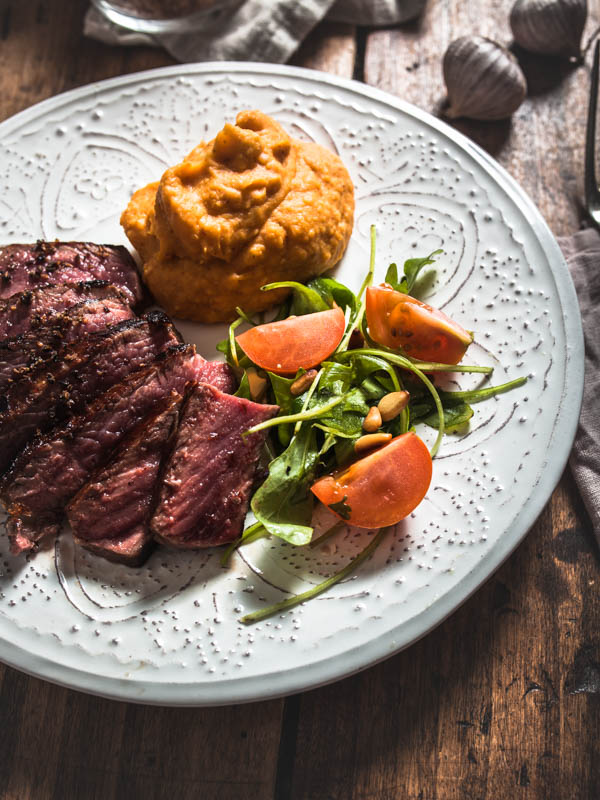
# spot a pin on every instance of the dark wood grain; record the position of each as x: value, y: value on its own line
x: 503, y: 699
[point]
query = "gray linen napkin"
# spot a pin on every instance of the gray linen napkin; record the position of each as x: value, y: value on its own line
x: 582, y: 252
x: 257, y: 30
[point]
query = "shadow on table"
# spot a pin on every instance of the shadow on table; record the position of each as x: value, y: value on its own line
x: 483, y: 693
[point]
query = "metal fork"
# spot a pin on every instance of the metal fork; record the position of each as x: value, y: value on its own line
x: 592, y: 194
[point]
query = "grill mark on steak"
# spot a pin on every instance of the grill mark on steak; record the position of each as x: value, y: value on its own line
x: 75, y: 374
x: 209, y: 475
x: 21, y: 354
x: 110, y: 514
x: 53, y: 467
x: 27, y: 266
x: 31, y: 310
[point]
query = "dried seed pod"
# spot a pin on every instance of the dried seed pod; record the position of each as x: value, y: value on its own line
x: 484, y: 80
x: 551, y: 27
x: 372, y: 421
x: 301, y: 384
x: 392, y: 404
x: 371, y: 441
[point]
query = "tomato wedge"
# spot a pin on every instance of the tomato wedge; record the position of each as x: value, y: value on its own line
x: 383, y: 487
x: 399, y: 320
x: 285, y: 346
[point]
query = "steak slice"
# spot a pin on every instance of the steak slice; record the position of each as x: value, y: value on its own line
x: 208, y: 477
x: 219, y: 374
x: 53, y: 467
x: 75, y: 375
x: 31, y: 310
x: 110, y: 514
x: 23, y: 533
x: 27, y: 266
x: 23, y: 353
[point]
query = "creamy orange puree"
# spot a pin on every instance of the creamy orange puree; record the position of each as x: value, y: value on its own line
x: 250, y: 207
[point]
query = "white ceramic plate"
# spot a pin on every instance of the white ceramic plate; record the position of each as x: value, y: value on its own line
x: 168, y: 632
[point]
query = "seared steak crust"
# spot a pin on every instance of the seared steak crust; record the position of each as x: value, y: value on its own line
x: 110, y: 514
x: 53, y: 467
x: 74, y: 375
x: 32, y: 309
x: 208, y: 478
x: 21, y: 354
x: 27, y: 266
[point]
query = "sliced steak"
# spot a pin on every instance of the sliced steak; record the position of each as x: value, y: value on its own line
x: 132, y: 548
x: 75, y: 375
x: 21, y: 354
x: 30, y: 310
x: 219, y: 374
x: 110, y: 514
x: 28, y: 266
x: 208, y: 477
x: 24, y: 533
x: 53, y: 467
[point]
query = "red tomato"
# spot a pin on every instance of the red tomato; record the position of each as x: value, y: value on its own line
x: 381, y: 488
x: 283, y: 347
x: 398, y: 320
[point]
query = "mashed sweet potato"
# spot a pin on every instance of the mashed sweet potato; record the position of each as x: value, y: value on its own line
x: 250, y: 207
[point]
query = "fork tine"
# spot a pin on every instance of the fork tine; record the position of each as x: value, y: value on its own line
x: 591, y: 186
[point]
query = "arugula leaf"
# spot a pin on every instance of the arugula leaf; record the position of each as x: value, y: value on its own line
x: 373, y: 389
x: 336, y: 378
x: 305, y: 300
x: 341, y: 507
x: 286, y: 401
x: 250, y: 534
x: 391, y: 276
x: 455, y: 416
x: 234, y: 355
x: 477, y: 395
x: 243, y: 389
x: 284, y: 503
x: 289, y: 602
x: 241, y: 313
x: 334, y: 292
x: 320, y: 294
x: 344, y: 450
x: 412, y: 267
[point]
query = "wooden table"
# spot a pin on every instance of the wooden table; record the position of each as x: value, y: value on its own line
x: 503, y: 699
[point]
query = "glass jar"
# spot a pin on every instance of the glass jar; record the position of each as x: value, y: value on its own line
x: 162, y: 16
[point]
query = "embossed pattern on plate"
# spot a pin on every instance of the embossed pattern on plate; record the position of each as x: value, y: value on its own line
x: 168, y: 632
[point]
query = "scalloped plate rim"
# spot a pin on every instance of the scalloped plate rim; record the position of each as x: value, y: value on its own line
x: 352, y: 660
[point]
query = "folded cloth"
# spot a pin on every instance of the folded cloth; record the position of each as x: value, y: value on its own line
x: 582, y: 252
x: 256, y: 30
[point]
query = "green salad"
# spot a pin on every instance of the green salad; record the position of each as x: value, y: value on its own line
x: 354, y: 378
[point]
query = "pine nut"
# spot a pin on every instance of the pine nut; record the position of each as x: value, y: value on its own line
x: 392, y: 404
x: 301, y: 384
x: 372, y: 421
x: 256, y: 383
x: 370, y: 441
